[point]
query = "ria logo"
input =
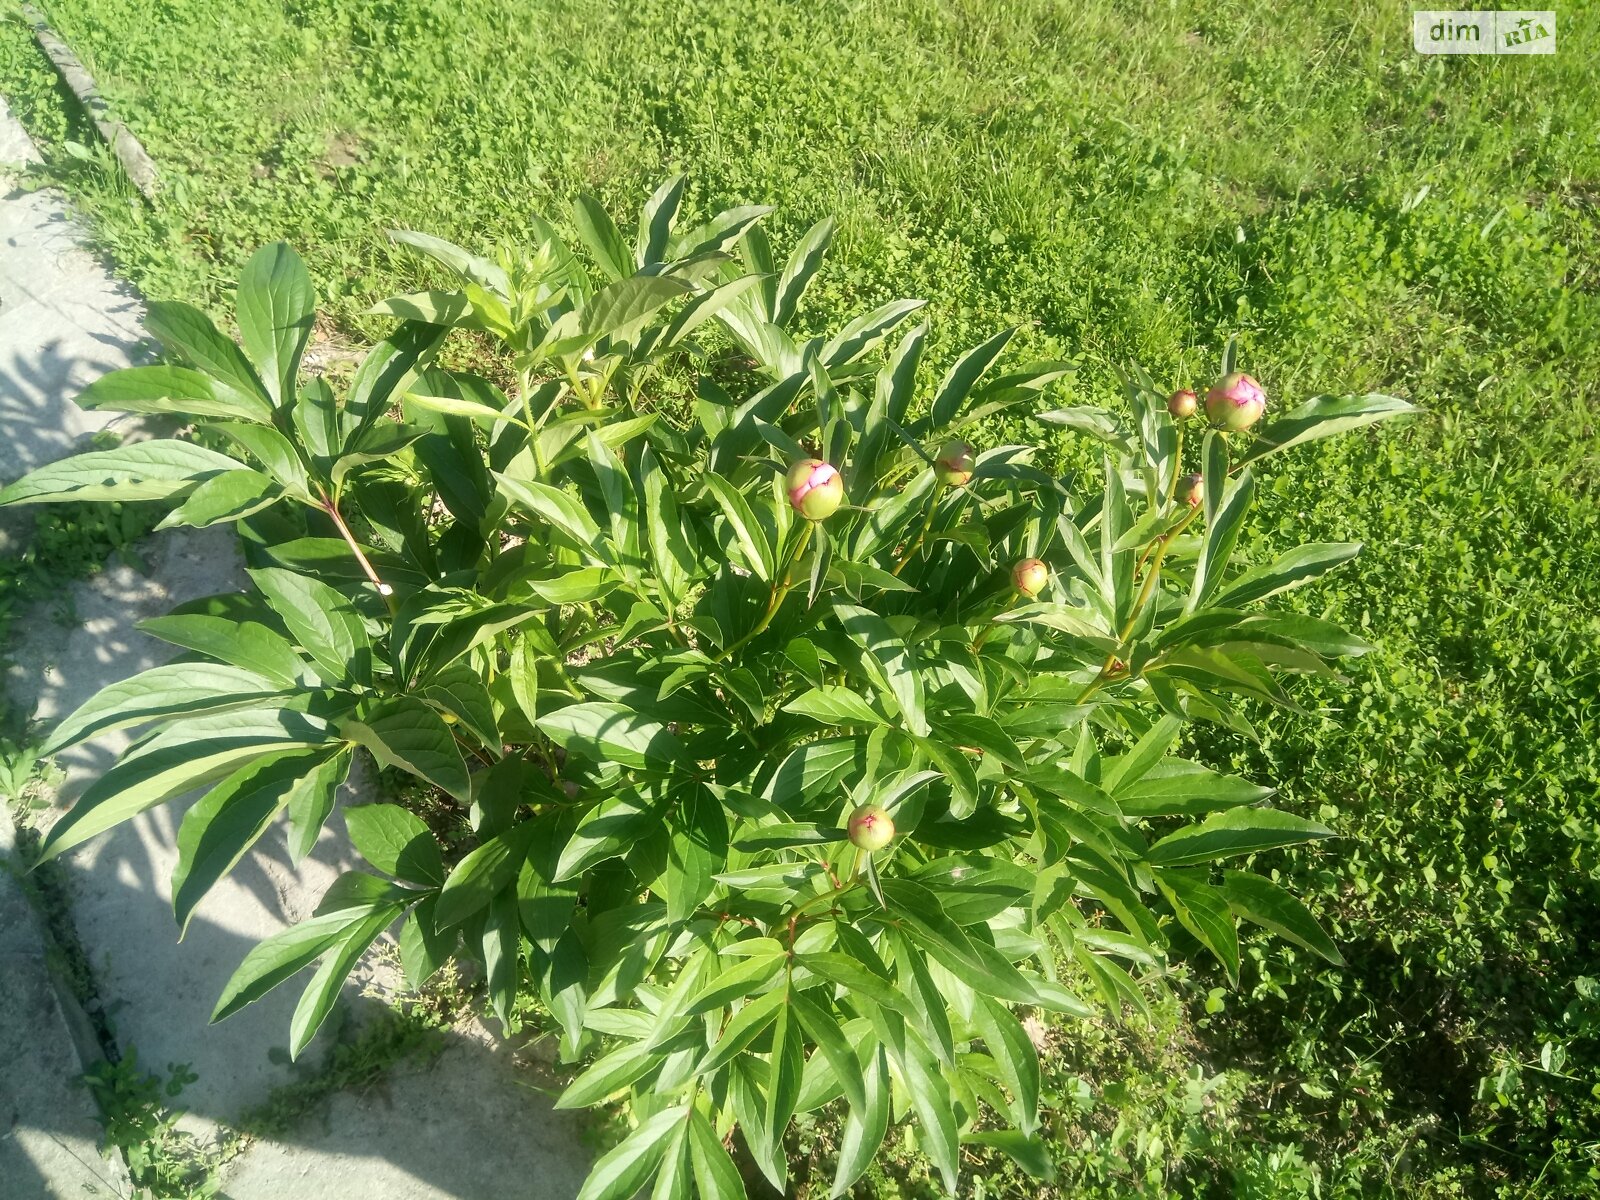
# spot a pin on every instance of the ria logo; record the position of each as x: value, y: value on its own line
x: 1487, y: 31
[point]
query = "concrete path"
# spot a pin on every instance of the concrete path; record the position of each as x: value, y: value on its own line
x: 467, y: 1125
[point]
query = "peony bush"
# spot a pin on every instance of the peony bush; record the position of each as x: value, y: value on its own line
x: 801, y: 745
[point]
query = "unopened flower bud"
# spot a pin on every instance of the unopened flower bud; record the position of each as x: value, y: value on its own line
x: 1191, y: 490
x: 815, y: 489
x: 871, y: 827
x: 954, y: 465
x: 1235, y: 402
x: 1183, y: 404
x: 1030, y: 577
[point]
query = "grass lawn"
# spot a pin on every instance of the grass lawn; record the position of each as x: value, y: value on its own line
x: 1137, y: 179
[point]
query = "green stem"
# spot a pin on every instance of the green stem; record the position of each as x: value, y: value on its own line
x: 781, y: 584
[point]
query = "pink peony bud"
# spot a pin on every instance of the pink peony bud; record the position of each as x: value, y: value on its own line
x: 954, y: 464
x: 871, y: 827
x: 1030, y: 577
x: 1235, y: 402
x: 1182, y: 404
x: 1191, y: 490
x: 815, y: 489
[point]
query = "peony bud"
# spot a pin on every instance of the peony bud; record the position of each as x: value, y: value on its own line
x: 1235, y: 402
x: 1182, y: 404
x: 871, y: 827
x: 954, y: 465
x: 1191, y: 490
x: 815, y: 489
x: 1030, y: 577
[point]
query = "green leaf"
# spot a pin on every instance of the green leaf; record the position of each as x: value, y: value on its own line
x: 1174, y: 787
x: 153, y: 470
x: 742, y: 1029
x: 715, y: 1174
x: 481, y: 875
x: 607, y: 1075
x: 963, y: 374
x: 787, y: 1062
x: 1264, y: 903
x: 1015, y: 1057
x: 620, y: 310
x: 1222, y: 531
x: 918, y: 912
x: 245, y: 644
x: 834, y: 705
x: 433, y: 306
x: 930, y: 1097
x: 1323, y: 416
x: 404, y: 732
x: 286, y: 953
x: 786, y: 835
x: 608, y: 732
x: 1233, y: 832
x: 469, y: 267
x: 670, y: 550
x: 226, y: 822
x: 1029, y: 1152
x: 1287, y: 571
x: 277, y: 306
x: 229, y: 496
x: 895, y: 662
x: 321, y: 620
x: 396, y: 842
x: 311, y: 802
x: 423, y: 949
x: 187, y: 332
x: 186, y: 755
x: 752, y: 538
x: 173, y: 390
x: 1202, y: 910
x: 865, y: 332
x: 655, y: 220
x: 823, y: 1028
x: 561, y: 510
x: 274, y: 452
x: 849, y: 974
x: 697, y: 849
x: 187, y: 689
x: 608, y: 830
x: 804, y: 261
x: 323, y: 990
x: 622, y: 1172
x: 864, y: 1127
x: 599, y: 233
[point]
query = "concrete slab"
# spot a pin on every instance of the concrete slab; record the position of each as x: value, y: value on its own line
x: 64, y: 320
x: 471, y: 1124
x: 49, y: 1138
x: 159, y: 994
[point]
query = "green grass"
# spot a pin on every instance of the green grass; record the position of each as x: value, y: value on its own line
x: 1122, y: 180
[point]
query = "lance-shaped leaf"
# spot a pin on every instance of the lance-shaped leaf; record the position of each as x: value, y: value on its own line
x: 1222, y: 531
x: 284, y: 954
x: 1233, y: 832
x: 656, y: 218
x: 318, y: 999
x: 864, y: 1127
x: 175, y: 391
x: 276, y: 307
x: 608, y: 830
x: 897, y: 666
x: 217, y: 831
x: 397, y: 842
x: 230, y: 496
x: 321, y: 620
x: 930, y: 1098
x: 715, y: 1174
x: 186, y: 755
x: 623, y: 1171
x: 1264, y: 903
x: 608, y: 732
x: 468, y: 267
x: 479, y: 877
x: 404, y: 732
x: 865, y: 332
x: 153, y: 470
x: 1287, y: 571
x: 246, y: 644
x: 747, y: 530
x: 1014, y: 1055
x: 187, y: 689
x: 189, y: 334
x: 620, y: 310
x: 963, y: 374
x: 804, y: 261
x: 1203, y: 911
x: 1323, y: 416
x: 562, y: 510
